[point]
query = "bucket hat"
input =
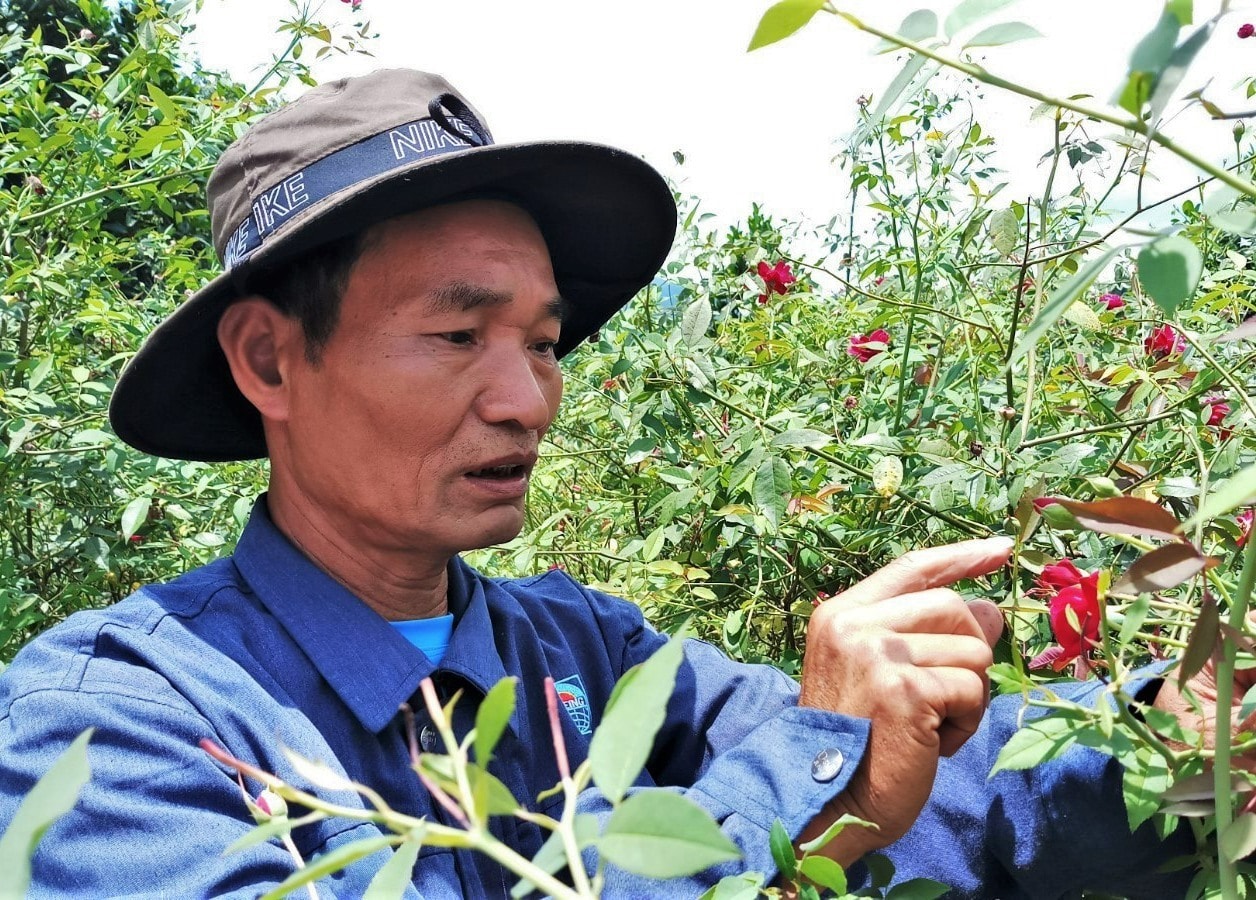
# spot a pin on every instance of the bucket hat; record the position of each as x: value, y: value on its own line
x: 350, y: 154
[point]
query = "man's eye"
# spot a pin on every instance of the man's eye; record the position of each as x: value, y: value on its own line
x: 458, y: 337
x: 546, y: 346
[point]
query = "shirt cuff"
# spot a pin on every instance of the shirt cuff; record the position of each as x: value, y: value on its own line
x: 788, y: 767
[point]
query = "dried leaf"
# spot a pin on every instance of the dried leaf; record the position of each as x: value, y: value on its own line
x: 1200, y: 787
x: 1203, y: 641
x: 1163, y: 568
x: 1125, y: 515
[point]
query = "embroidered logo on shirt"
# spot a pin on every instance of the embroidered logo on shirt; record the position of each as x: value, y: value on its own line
x: 574, y: 698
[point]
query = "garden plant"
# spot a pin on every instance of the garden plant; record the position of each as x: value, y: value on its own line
x: 790, y: 406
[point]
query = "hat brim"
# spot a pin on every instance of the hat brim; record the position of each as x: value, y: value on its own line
x: 608, y: 219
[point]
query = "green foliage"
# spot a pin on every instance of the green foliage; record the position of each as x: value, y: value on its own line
x: 783, y: 19
x: 108, y: 131
x: 660, y: 834
x: 727, y: 455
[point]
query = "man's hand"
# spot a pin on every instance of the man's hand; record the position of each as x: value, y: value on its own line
x: 907, y: 653
x: 1203, y: 686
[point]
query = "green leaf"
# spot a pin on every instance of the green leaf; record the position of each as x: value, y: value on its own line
x: 164, y: 103
x: 783, y: 19
x: 1035, y: 743
x: 880, y: 869
x: 896, y: 89
x: 660, y: 834
x: 772, y: 486
x: 782, y: 850
x: 1153, y: 52
x: 40, y: 372
x: 802, y: 437
x: 553, y: 854
x: 1144, y: 780
x: 696, y: 320
x: 736, y: 887
x: 1003, y: 33
x: 1175, y: 69
x: 1184, y: 10
x: 134, y: 515
x: 52, y: 797
x: 329, y: 863
x: 267, y: 830
x: 1228, y: 496
x: 1249, y: 704
x: 1241, y: 220
x: 1060, y: 301
x: 492, y: 717
x: 397, y: 874
x: 970, y: 11
x: 621, y: 744
x: 492, y: 798
x: 1239, y: 838
x: 1135, y: 616
x: 917, y: 889
x: 1004, y: 231
x: 919, y: 27
x: 1169, y: 270
x: 834, y: 829
x: 824, y: 872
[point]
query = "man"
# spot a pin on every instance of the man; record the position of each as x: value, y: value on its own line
x: 398, y: 291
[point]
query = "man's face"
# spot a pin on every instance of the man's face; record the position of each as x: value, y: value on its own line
x: 418, y: 428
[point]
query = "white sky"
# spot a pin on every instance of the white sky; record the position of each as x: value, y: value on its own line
x: 655, y: 76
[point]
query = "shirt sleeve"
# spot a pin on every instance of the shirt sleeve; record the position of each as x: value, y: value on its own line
x: 155, y: 815
x: 1050, y: 831
x: 735, y: 742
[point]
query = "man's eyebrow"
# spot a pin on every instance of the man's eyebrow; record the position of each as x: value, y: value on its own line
x: 459, y: 296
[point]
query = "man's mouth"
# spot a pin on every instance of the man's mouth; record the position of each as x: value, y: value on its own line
x: 500, y: 472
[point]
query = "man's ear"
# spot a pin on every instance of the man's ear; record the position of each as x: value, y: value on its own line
x: 259, y: 342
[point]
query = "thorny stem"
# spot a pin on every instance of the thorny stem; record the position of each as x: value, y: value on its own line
x: 428, y: 689
x: 1095, y: 429
x: 1221, y: 370
x: 299, y: 862
x: 1239, y: 605
x: 566, y: 827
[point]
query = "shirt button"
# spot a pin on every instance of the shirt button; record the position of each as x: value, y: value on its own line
x: 427, y: 739
x: 827, y: 764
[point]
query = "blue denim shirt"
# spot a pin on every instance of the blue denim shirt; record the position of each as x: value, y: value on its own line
x: 263, y: 650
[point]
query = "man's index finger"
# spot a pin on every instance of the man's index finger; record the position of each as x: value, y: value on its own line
x: 930, y: 567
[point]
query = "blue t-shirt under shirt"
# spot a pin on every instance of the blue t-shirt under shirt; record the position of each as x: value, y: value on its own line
x: 429, y: 635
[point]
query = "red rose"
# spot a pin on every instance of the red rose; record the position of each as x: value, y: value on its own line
x: 776, y: 279
x: 1164, y: 341
x: 1112, y: 301
x: 1244, y: 520
x: 1083, y: 600
x: 1057, y: 576
x: 1246, y: 30
x: 865, y: 346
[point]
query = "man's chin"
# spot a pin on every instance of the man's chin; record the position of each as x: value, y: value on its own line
x: 503, y: 527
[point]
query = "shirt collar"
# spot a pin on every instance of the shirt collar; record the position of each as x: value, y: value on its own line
x: 370, y: 666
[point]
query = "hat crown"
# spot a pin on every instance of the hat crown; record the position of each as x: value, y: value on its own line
x: 260, y: 171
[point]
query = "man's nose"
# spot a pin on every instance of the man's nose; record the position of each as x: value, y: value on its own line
x: 517, y: 388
